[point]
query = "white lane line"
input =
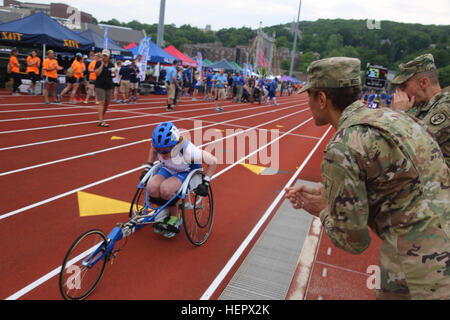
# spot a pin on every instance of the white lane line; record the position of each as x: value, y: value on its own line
x: 68, y: 193
x: 246, y: 127
x: 109, y: 111
x: 147, y: 140
x: 69, y: 106
x: 229, y: 265
x: 6, y: 215
x: 120, y: 130
x: 66, y: 106
x: 88, y: 113
x: 51, y: 274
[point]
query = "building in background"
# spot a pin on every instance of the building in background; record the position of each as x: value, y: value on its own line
x: 56, y: 10
x: 121, y: 35
x: 13, y: 10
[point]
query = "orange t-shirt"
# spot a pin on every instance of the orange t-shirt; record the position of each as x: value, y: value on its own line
x: 77, y: 69
x: 34, y: 68
x: 91, y: 68
x: 14, y: 63
x: 50, y: 64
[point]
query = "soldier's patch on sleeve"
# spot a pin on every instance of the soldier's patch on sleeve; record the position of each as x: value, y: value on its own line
x: 438, y: 118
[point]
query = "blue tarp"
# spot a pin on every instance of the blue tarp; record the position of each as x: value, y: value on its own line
x: 41, y: 29
x: 156, y: 54
x: 99, y: 42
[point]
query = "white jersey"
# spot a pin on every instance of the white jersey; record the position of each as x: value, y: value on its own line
x: 116, y: 78
x: 184, y: 157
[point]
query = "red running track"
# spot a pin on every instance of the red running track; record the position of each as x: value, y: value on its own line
x: 49, y: 153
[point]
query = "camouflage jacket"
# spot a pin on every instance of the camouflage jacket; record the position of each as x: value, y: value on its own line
x: 436, y: 115
x: 383, y: 170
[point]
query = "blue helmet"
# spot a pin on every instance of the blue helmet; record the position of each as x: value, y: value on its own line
x: 165, y: 135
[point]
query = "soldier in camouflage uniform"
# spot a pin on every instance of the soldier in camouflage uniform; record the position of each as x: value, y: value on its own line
x: 384, y: 171
x: 421, y: 96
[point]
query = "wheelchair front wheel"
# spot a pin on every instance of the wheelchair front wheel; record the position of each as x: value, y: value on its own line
x: 198, y: 214
x: 76, y: 280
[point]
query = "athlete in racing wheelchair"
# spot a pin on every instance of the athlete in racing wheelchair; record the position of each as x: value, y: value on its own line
x: 178, y: 157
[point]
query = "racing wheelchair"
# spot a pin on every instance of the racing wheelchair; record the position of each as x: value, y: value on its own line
x: 86, y: 259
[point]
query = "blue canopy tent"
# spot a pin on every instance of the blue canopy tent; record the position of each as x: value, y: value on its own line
x: 40, y: 29
x: 224, y: 64
x: 99, y: 43
x: 156, y: 54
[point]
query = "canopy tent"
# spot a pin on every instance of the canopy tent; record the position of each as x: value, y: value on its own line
x: 207, y: 63
x: 156, y: 54
x: 287, y: 78
x: 224, y: 64
x: 40, y: 29
x: 99, y: 44
x: 238, y: 68
x: 130, y: 46
x: 185, y: 61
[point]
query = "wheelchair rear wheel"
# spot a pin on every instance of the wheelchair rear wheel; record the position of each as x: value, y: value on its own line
x: 198, y: 214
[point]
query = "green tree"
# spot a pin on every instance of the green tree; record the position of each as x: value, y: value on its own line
x: 306, y: 60
x: 444, y: 76
x: 285, y: 64
x: 335, y: 42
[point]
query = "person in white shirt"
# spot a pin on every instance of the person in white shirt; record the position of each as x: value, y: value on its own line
x: 179, y: 157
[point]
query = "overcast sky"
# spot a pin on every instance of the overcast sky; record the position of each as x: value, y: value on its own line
x: 237, y: 13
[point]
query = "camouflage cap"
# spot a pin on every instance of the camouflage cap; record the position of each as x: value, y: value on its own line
x: 337, y: 72
x: 422, y: 63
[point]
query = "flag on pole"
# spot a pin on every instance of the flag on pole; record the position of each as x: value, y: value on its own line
x: 200, y: 64
x: 143, y: 50
x: 245, y: 69
x: 105, y: 39
x: 251, y: 70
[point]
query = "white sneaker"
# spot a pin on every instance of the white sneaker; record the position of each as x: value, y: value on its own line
x: 162, y: 215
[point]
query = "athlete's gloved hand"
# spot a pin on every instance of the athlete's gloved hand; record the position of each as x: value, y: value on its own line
x: 203, y: 189
x: 148, y: 166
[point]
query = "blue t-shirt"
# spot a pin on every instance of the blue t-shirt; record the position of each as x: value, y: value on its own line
x: 171, y: 72
x: 241, y: 81
x: 235, y: 81
x: 388, y: 100
x: 371, y: 97
x: 220, y: 79
x: 261, y: 83
x: 273, y: 86
x: 187, y: 75
x: 209, y: 77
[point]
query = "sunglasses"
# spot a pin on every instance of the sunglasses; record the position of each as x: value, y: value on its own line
x: 164, y: 150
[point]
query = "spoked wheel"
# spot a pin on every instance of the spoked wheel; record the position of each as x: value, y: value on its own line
x: 77, y: 279
x: 138, y: 203
x: 198, y: 214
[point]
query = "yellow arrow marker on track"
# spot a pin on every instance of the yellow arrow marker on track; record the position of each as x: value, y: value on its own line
x: 254, y: 168
x: 117, y: 138
x: 93, y: 205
